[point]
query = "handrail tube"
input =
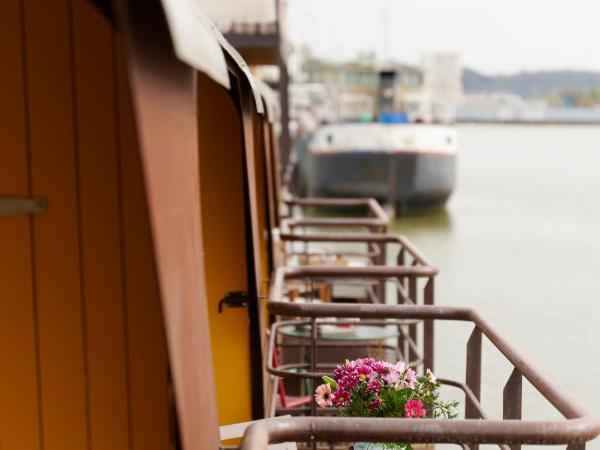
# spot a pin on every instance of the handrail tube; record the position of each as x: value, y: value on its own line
x: 337, y: 201
x: 331, y: 429
x: 375, y: 272
x: 380, y: 216
x: 335, y: 272
x: 367, y: 310
x: 334, y: 222
x: 326, y: 201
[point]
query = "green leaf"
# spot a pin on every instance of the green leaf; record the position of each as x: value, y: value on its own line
x: 330, y: 381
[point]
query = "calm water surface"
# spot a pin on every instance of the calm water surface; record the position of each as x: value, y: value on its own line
x: 520, y: 241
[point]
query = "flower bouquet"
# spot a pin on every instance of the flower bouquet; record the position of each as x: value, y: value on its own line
x: 369, y: 388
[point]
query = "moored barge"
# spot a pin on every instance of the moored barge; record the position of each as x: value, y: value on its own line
x: 407, y: 165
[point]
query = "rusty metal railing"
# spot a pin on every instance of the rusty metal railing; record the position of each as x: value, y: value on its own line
x: 405, y: 279
x: 394, y: 346
x: 577, y: 427
x: 413, y: 284
x: 376, y: 244
x: 377, y: 249
x: 374, y: 218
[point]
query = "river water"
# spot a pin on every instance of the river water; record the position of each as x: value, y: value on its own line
x: 520, y: 241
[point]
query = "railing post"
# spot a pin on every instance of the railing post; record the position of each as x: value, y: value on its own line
x: 577, y: 446
x: 313, y: 361
x: 412, y: 329
x: 512, y: 399
x: 473, y: 373
x: 400, y: 262
x: 392, y: 173
x: 380, y: 260
x: 428, y: 332
x: 383, y: 262
x: 374, y: 260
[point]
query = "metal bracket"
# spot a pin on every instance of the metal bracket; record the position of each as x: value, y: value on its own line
x: 16, y: 206
x: 235, y: 299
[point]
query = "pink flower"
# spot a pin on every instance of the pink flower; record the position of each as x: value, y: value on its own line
x: 399, y: 366
x: 414, y: 409
x: 323, y: 396
x: 409, y: 378
x: 392, y: 373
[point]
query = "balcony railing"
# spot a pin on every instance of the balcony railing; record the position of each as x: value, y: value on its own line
x: 296, y: 352
x: 576, y: 427
x: 368, y: 248
x: 373, y: 218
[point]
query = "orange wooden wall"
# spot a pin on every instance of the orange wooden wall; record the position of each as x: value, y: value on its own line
x: 83, y: 361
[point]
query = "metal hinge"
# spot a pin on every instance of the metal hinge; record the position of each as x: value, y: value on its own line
x: 235, y: 299
x: 14, y: 206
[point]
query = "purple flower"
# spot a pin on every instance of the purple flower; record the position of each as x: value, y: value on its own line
x: 375, y: 404
x: 380, y: 367
x: 373, y: 386
x: 347, y: 382
x: 364, y: 371
x: 341, y: 398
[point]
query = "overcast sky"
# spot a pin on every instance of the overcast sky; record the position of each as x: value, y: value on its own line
x: 493, y: 36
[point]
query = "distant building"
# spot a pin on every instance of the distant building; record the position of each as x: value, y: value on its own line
x: 443, y: 84
x: 242, y: 16
x: 333, y: 91
x: 351, y: 91
x: 411, y: 96
x: 500, y: 107
x: 503, y: 107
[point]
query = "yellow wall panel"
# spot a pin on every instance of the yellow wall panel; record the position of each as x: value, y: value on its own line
x: 224, y: 230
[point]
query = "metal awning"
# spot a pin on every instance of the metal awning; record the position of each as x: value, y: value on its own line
x: 237, y: 59
x: 198, y: 43
x: 193, y: 39
x: 270, y: 100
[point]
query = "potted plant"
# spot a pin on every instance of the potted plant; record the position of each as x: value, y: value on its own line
x: 369, y: 388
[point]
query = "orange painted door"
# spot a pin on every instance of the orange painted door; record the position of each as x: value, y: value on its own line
x: 225, y: 233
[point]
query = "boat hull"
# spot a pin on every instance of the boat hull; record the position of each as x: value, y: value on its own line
x: 408, y: 179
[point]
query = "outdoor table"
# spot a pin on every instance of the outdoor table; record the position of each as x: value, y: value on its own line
x: 345, y: 333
